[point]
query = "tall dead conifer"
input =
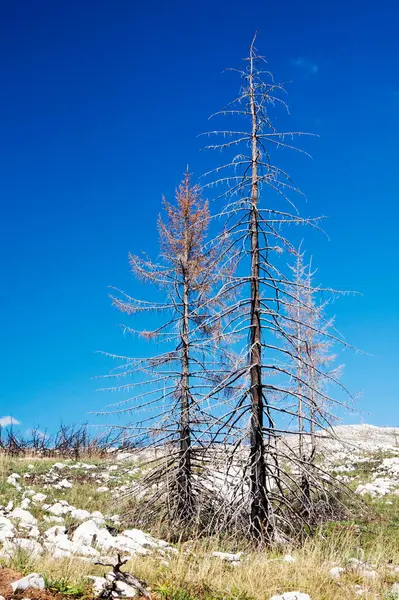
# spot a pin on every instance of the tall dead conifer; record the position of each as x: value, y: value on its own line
x: 269, y: 497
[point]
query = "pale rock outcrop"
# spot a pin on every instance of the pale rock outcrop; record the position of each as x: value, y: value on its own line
x: 13, y: 480
x: 89, y: 533
x: 62, y: 547
x: 54, y: 532
x: 98, y: 517
x: 31, y: 547
x: 58, y: 509
x: 97, y: 583
x: 63, y: 484
x: 128, y: 545
x: 80, y: 514
x: 6, y: 528
x: 33, y: 532
x: 122, y: 588
x: 24, y: 516
x: 39, y: 497
x: 379, y: 487
x: 34, y: 581
x: 53, y: 519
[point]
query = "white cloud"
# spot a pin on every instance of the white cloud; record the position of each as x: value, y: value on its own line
x: 306, y: 65
x: 37, y: 432
x: 5, y: 421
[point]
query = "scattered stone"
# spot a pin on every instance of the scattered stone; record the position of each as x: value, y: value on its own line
x: 63, y: 484
x: 98, y: 583
x: 58, y: 509
x: 53, y: 519
x: 80, y: 515
x: 121, y: 588
x: 99, y: 520
x: 13, y: 480
x: 336, y: 572
x: 291, y: 596
x: 34, y: 532
x: 25, y: 503
x: 39, y: 497
x: 368, y: 573
x: 228, y: 557
x: 31, y: 547
x: 87, y: 533
x: 54, y: 532
x: 33, y: 581
x: 6, y: 528
x: 288, y: 558
x: 24, y: 516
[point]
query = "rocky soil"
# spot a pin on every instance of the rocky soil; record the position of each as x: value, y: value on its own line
x: 67, y: 510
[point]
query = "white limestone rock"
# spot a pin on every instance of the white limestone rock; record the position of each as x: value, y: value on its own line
x: 31, y: 547
x: 6, y: 528
x: 336, y: 572
x: 288, y: 558
x: 63, y: 484
x: 58, y: 509
x: 97, y: 583
x: 227, y: 556
x: 291, y: 596
x: 33, y: 581
x: 80, y: 514
x: 39, y: 498
x: 25, y: 503
x: 123, y: 589
x: 53, y: 519
x: 13, y: 480
x: 24, y: 516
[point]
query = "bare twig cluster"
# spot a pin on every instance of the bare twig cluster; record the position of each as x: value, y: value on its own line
x: 70, y: 441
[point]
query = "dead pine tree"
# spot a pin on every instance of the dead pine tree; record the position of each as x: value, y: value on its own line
x: 167, y: 410
x: 256, y: 196
x: 311, y: 338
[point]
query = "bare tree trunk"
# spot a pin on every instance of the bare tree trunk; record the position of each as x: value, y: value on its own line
x: 184, y: 476
x: 305, y: 485
x: 299, y: 379
x: 261, y: 525
x: 313, y: 416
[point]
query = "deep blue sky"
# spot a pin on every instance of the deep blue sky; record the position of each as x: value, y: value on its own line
x: 100, y: 106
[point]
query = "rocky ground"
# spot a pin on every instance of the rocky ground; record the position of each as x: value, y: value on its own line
x: 60, y: 518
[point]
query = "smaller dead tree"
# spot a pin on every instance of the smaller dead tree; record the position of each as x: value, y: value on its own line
x: 310, y: 338
x: 168, y: 405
